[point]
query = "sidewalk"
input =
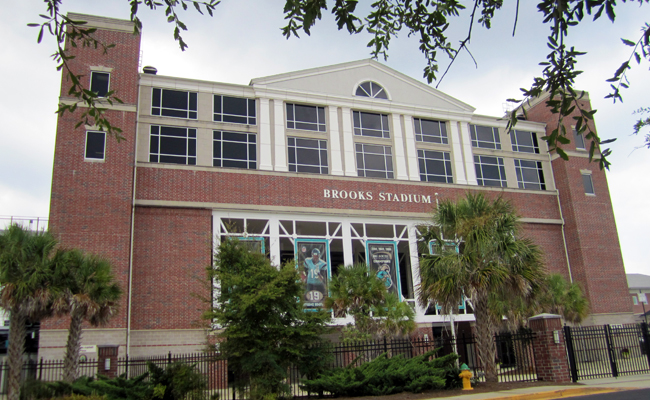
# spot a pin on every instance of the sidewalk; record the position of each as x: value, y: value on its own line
x: 586, y: 387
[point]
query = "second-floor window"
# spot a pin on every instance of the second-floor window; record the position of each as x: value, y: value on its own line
x: 485, y: 137
x: 490, y: 171
x: 308, y: 155
x: 524, y: 142
x: 170, y: 144
x: 174, y: 103
x: 236, y: 110
x: 430, y: 131
x: 370, y: 124
x: 530, y: 174
x: 308, y: 118
x: 435, y: 166
x: 234, y: 149
x: 374, y: 161
x: 99, y: 83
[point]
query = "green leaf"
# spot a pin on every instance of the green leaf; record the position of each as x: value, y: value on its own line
x: 628, y: 42
x: 562, y: 154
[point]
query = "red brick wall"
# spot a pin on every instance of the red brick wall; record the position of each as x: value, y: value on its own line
x: 230, y: 187
x: 91, y: 201
x: 172, y: 248
x: 592, y: 238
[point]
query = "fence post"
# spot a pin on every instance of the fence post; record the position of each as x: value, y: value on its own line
x: 646, y: 340
x: 550, y: 350
x: 126, y: 366
x: 571, y: 353
x: 610, y: 351
x: 40, y: 370
x: 169, y: 358
x: 385, y: 346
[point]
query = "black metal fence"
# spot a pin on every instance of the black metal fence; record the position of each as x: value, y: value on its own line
x: 607, y: 350
x: 516, y: 362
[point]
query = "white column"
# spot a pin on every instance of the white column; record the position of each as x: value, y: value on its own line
x: 400, y: 159
x: 457, y: 154
x: 348, y: 143
x: 411, y: 151
x: 266, y: 162
x: 346, y: 234
x: 280, y: 137
x: 335, y: 142
x: 420, y: 309
x: 274, y: 241
x: 470, y: 171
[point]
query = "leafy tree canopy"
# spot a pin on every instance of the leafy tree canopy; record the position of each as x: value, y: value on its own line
x: 428, y: 20
x: 260, y: 319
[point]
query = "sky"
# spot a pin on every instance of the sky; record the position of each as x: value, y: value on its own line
x: 243, y: 41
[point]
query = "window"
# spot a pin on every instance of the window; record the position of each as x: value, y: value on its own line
x: 368, y: 124
x: 430, y: 131
x: 371, y: 89
x: 308, y: 155
x: 237, y: 110
x: 234, y: 149
x: 490, y: 171
x: 99, y: 83
x: 579, y: 140
x: 524, y: 142
x: 435, y: 166
x: 173, y: 145
x: 374, y: 161
x: 173, y: 103
x: 530, y: 175
x: 309, y: 118
x: 588, y: 183
x: 95, y: 144
x: 485, y: 137
x: 635, y: 300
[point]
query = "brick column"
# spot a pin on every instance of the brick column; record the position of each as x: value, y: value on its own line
x: 107, y: 361
x: 550, y: 349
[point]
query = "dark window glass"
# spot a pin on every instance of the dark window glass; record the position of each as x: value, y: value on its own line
x: 588, y: 183
x: 430, y: 131
x: 490, y: 171
x: 95, y: 143
x: 234, y: 150
x: 170, y: 144
x: 524, y: 142
x: 174, y: 103
x: 308, y: 155
x: 579, y: 140
x: 435, y: 166
x: 485, y: 137
x: 371, y: 89
x: 374, y: 161
x: 236, y: 110
x: 369, y: 124
x: 99, y: 83
x: 530, y: 175
x: 309, y: 118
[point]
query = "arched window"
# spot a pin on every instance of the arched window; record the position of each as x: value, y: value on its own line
x: 371, y: 89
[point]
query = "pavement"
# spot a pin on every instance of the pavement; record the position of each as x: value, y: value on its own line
x: 582, y: 388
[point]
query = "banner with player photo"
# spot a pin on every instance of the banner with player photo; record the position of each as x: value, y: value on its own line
x: 382, y: 261
x: 312, y: 261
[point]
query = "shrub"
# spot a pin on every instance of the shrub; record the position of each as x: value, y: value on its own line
x: 384, y: 376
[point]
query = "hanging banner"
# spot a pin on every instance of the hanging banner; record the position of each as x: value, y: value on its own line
x: 382, y: 261
x: 312, y: 261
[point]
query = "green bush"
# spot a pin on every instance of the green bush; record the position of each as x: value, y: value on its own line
x: 178, y: 381
x: 384, y: 376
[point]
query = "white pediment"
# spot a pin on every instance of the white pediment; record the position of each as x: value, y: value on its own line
x: 341, y: 80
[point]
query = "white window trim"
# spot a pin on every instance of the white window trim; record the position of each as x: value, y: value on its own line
x: 588, y: 172
x: 99, y: 160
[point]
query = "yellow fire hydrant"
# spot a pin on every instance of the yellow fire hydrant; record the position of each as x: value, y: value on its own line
x: 466, y: 375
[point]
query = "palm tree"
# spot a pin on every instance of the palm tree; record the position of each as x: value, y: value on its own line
x: 564, y: 298
x: 26, y: 276
x: 491, y: 259
x: 91, y: 294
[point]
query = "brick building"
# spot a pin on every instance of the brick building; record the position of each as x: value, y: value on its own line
x: 332, y: 165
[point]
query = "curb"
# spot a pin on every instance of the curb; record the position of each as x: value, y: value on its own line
x: 554, y: 394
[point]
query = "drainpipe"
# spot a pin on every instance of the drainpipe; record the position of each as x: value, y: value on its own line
x: 135, y: 170
x: 559, y: 207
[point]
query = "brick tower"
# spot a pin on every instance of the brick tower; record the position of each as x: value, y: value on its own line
x: 93, y: 174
